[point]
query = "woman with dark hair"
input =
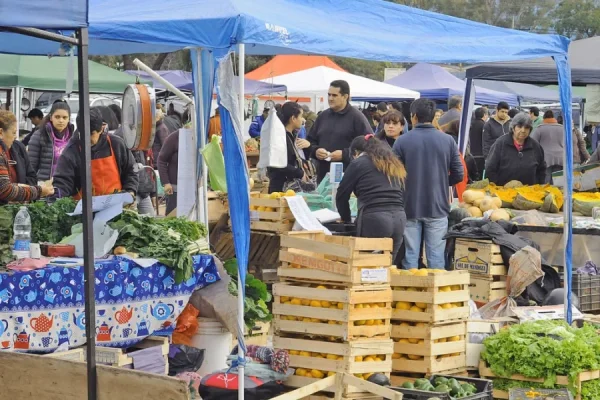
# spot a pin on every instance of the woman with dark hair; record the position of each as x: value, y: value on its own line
x: 18, y: 182
x: 376, y: 176
x: 393, y: 127
x: 517, y: 156
x: 291, y: 117
x: 49, y: 141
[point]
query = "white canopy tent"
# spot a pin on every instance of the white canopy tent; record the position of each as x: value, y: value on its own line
x: 314, y: 83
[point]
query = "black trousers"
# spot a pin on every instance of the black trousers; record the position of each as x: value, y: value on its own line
x: 373, y: 223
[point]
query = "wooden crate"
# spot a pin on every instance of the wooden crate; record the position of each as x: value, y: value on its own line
x: 435, y: 355
x: 314, y: 256
x: 426, y: 290
x: 257, y: 337
x: 486, y: 372
x: 478, y: 327
x: 120, y: 357
x: 279, y: 220
x: 217, y: 206
x: 346, y: 358
x: 347, y: 319
x: 480, y: 257
x: 484, y: 290
x: 71, y: 355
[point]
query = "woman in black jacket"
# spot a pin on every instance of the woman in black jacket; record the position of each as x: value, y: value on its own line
x: 393, y: 126
x: 516, y: 156
x: 376, y: 177
x: 291, y: 117
x: 49, y: 141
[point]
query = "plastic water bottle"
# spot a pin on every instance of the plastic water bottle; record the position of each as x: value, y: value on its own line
x: 22, y: 234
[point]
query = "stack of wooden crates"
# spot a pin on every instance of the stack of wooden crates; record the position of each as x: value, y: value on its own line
x: 429, y: 322
x: 483, y: 260
x: 332, y: 308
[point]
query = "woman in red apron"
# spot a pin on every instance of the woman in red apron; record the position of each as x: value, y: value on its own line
x: 112, y: 163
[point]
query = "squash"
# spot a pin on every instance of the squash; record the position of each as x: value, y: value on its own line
x: 475, y: 212
x: 558, y: 196
x: 500, y: 215
x: 584, y: 203
x: 469, y: 196
x: 528, y: 201
x: 497, y: 201
x: 550, y: 205
x: 483, y: 184
x: 513, y: 185
x: 463, y: 205
x: 477, y: 203
x: 487, y: 204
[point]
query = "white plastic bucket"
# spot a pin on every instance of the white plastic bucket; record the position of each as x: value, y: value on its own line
x: 215, y: 339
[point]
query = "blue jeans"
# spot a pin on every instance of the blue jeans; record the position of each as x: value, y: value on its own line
x: 433, y: 231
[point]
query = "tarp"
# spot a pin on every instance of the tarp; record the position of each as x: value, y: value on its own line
x: 50, y: 74
x: 434, y: 82
x: 526, y: 92
x: 315, y: 81
x: 44, y: 14
x: 286, y: 64
x: 584, y: 58
x: 182, y: 80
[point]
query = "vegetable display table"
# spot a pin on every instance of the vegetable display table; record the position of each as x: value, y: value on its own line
x: 43, y: 309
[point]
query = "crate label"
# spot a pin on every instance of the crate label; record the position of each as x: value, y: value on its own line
x: 319, y: 263
x: 374, y: 275
x: 472, y: 264
x: 254, y: 216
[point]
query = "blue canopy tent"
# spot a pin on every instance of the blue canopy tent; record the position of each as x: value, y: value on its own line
x: 434, y: 82
x: 40, y: 21
x: 304, y: 27
x: 183, y: 80
x: 526, y: 93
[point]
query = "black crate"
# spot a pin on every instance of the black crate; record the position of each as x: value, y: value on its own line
x: 484, y: 387
x: 587, y: 289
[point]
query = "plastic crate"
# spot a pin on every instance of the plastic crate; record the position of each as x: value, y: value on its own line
x: 484, y: 387
x: 587, y: 289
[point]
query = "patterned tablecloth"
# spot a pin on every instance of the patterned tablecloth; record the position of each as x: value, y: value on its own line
x: 43, y: 309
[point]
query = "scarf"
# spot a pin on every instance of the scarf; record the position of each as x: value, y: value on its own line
x: 58, y: 144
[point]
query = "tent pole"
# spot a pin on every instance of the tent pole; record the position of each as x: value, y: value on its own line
x: 241, y: 324
x: 88, y: 232
x: 201, y: 130
x: 17, y: 107
x: 467, y: 111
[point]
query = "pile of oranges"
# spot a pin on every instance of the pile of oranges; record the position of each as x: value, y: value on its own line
x: 316, y: 373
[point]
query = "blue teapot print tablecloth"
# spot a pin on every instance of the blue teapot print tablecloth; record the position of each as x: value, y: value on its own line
x: 42, y: 309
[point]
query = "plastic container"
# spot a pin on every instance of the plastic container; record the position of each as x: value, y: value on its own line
x: 22, y: 234
x: 484, y: 390
x: 587, y: 289
x: 216, y: 341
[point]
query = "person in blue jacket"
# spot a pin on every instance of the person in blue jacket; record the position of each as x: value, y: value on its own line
x: 257, y: 124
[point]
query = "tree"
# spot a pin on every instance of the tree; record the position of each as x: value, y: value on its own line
x: 577, y: 19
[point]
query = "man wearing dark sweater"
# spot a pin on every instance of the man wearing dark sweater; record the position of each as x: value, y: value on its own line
x: 432, y: 165
x: 495, y: 127
x: 335, y: 128
x: 476, y: 137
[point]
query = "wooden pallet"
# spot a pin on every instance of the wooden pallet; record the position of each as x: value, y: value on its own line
x: 278, y: 219
x: 120, y: 357
x: 345, y: 315
x: 474, y: 349
x: 314, y: 256
x: 218, y: 206
x: 257, y: 337
x: 346, y: 361
x: 487, y: 289
x: 426, y: 290
x: 481, y: 257
x: 432, y: 344
x: 486, y: 372
x: 70, y: 355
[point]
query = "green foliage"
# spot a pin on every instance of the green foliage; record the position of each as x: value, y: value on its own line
x: 543, y: 349
x: 577, y: 19
x: 257, y: 295
x: 189, y: 230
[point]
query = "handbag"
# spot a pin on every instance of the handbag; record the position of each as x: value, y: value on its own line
x: 302, y: 185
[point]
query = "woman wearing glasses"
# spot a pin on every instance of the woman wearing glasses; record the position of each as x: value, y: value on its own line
x: 18, y: 180
x: 516, y: 156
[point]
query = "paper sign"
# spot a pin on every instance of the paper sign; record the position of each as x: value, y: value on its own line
x: 254, y: 216
x: 373, y: 275
x: 304, y: 217
x: 100, y: 203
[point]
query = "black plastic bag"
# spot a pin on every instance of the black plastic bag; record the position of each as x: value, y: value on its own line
x: 184, y: 358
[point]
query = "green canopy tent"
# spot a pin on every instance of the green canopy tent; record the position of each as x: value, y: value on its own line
x: 50, y: 74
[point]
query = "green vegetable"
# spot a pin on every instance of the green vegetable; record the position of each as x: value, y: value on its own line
x: 442, y: 389
x: 257, y: 295
x: 408, y: 385
x: 543, y: 349
x: 150, y: 238
x: 189, y: 230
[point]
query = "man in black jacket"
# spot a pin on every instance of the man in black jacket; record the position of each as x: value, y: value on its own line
x: 476, y: 137
x: 495, y: 127
x: 335, y: 128
x: 112, y: 163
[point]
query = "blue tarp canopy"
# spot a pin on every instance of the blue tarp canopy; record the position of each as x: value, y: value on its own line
x: 527, y: 93
x: 434, y: 82
x: 44, y: 14
x: 182, y: 80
